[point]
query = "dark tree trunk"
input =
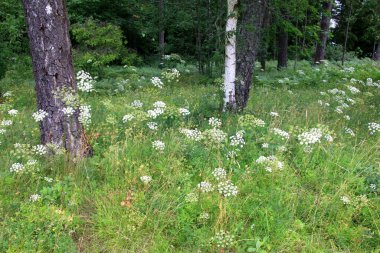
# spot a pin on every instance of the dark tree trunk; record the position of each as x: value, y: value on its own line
x: 376, y: 55
x: 282, y: 57
x: 323, y: 34
x: 247, y: 41
x: 50, y: 48
x: 346, y: 34
x: 161, y: 33
x: 264, y: 39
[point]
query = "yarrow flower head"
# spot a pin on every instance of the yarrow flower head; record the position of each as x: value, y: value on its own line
x: 39, y: 115
x: 152, y: 125
x: 137, y: 103
x: 6, y: 122
x: 85, y: 81
x: 85, y: 115
x: 274, y: 114
x: 346, y: 200
x: 68, y: 111
x: 283, y: 135
x: 219, y: 173
x: 237, y: 140
x: 159, y: 104
x: 227, y: 189
x: 191, y: 197
x: 156, y: 81
x: 184, y: 111
x: 310, y: 137
x: 373, y: 128
x: 158, y: 145
x: 192, y: 134
x: 205, y: 187
x: 13, y: 112
x: 223, y: 239
x: 215, y: 122
x: 146, y: 179
x: 127, y: 118
x: 40, y: 149
x: 34, y: 197
x: 17, y: 168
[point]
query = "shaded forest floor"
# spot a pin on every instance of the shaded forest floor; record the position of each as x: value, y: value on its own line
x: 301, y: 166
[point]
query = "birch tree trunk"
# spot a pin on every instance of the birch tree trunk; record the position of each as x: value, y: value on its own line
x: 230, y: 57
x: 50, y: 48
x: 323, y: 34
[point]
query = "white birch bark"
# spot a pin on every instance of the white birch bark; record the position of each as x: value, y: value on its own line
x: 230, y: 57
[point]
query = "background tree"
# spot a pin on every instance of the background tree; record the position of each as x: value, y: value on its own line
x: 324, y: 32
x: 50, y: 48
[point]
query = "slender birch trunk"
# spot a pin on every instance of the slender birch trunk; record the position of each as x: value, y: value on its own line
x: 230, y: 57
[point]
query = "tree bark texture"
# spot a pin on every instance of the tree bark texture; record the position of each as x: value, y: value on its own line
x: 50, y: 48
x: 249, y: 31
x: 161, y: 33
x: 324, y: 32
x: 282, y: 57
x: 376, y: 55
x: 230, y: 57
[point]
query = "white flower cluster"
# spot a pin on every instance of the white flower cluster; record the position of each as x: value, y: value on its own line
x: 159, y: 108
x: 192, y: 134
x: 171, y: 75
x: 311, y: 137
x: 85, y: 81
x: 219, y: 173
x: 353, y: 89
x: 85, y: 115
x: 348, y: 70
x: 215, y: 122
x: 215, y: 135
x: 137, y: 104
x: 336, y: 91
x: 8, y: 94
x: 146, y: 179
x: 39, y: 149
x: 68, y: 111
x: 270, y: 162
x: 259, y: 123
x: 156, y: 81
x: 373, y: 128
x: 128, y: 117
x: 17, y: 167
x: 349, y: 131
x: 284, y: 135
x: 152, y: 125
x: 205, y: 187
x: 237, y: 140
x: 223, y: 239
x: 13, y: 112
x: 191, y: 197
x: 274, y: 114
x: 227, y: 189
x: 204, y: 216
x: 158, y: 145
x: 184, y: 111
x: 34, y: 197
x: 39, y: 115
x: 6, y: 122
x: 2, y: 131
x: 346, y: 200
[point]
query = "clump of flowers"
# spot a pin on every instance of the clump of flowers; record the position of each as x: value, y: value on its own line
x: 6, y: 122
x: 85, y: 81
x: 184, y: 111
x: 205, y: 187
x: 85, y: 115
x: 283, y: 135
x: 156, y: 81
x: 191, y: 197
x: 16, y: 168
x: 171, y: 75
x: 137, y: 104
x: 227, y: 189
x: 152, y: 125
x: 219, y: 174
x: 146, y: 179
x: 192, y: 134
x: 373, y: 128
x: 223, y: 239
x: 349, y: 131
x: 158, y: 145
x: 13, y: 112
x: 39, y: 149
x: 346, y: 200
x: 274, y: 114
x: 68, y: 111
x: 249, y: 120
x: 215, y: 122
x: 127, y: 118
x: 310, y: 137
x: 215, y: 136
x: 237, y: 140
x: 39, y: 115
x: 34, y: 197
x: 353, y: 89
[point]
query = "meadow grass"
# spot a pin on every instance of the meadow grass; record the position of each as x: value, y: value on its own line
x: 291, y: 197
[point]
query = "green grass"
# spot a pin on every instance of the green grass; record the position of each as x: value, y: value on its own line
x: 294, y: 209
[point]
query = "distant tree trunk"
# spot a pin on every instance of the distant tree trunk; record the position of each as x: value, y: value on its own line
x: 376, y: 55
x: 323, y: 34
x: 50, y: 47
x: 264, y: 37
x: 346, y: 35
x: 282, y: 57
x: 230, y: 57
x: 161, y: 34
x: 247, y: 42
